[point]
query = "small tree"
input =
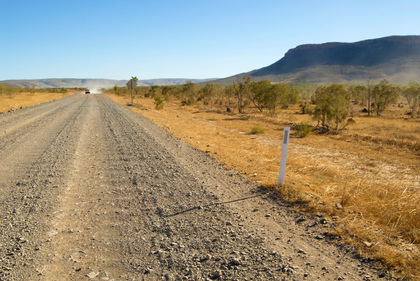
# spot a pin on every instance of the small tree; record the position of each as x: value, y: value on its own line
x: 153, y: 90
x: 332, y: 105
x: 369, y: 96
x: 189, y: 91
x: 169, y: 91
x: 117, y: 90
x: 358, y: 94
x: 258, y: 92
x: 275, y: 96
x: 208, y: 92
x: 279, y: 95
x: 340, y: 104
x: 412, y: 94
x: 229, y: 93
x: 321, y: 99
x: 158, y: 101
x: 292, y: 96
x: 384, y: 94
x: 306, y: 109
x: 241, y: 92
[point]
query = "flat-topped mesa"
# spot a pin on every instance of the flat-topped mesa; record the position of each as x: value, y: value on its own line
x: 363, y: 53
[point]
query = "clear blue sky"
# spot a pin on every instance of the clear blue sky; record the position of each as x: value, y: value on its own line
x: 180, y: 38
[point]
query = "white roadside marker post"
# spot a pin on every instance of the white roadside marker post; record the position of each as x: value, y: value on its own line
x: 284, y: 146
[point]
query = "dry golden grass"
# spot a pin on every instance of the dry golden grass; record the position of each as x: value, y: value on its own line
x: 368, y: 176
x: 22, y: 100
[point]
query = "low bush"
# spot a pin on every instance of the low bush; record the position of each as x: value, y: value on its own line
x: 303, y: 130
x: 257, y: 129
x: 158, y: 102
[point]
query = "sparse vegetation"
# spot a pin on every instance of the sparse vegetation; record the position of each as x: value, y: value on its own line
x: 367, y: 175
x: 12, y: 98
x: 11, y: 91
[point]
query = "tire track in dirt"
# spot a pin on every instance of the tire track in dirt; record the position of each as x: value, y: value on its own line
x: 82, y: 219
x: 21, y: 147
x: 29, y: 185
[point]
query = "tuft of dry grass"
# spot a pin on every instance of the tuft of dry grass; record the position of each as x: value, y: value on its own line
x: 368, y: 175
x: 22, y: 100
x: 257, y: 129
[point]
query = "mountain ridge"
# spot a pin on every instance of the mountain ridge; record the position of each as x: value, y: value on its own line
x: 95, y: 83
x: 396, y: 58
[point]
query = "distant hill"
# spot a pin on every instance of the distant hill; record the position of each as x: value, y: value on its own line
x: 396, y: 58
x: 95, y: 83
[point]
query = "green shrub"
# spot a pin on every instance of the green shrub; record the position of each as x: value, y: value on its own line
x: 188, y: 101
x: 257, y: 129
x: 117, y: 90
x: 303, y: 130
x: 158, y: 102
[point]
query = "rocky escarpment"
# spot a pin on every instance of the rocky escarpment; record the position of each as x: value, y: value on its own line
x: 366, y: 53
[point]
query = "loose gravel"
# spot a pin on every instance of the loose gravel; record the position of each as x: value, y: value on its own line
x: 93, y: 191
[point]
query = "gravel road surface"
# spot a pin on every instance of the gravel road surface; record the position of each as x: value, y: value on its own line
x: 89, y: 190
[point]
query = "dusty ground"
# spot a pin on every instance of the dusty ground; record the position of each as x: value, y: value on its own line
x: 367, y: 176
x: 19, y: 100
x: 91, y: 190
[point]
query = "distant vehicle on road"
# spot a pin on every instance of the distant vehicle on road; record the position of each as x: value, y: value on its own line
x: 87, y: 91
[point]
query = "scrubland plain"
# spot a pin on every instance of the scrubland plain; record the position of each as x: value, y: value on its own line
x: 25, y: 99
x: 366, y: 178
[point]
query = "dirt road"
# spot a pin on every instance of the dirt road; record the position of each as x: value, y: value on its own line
x: 93, y: 191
